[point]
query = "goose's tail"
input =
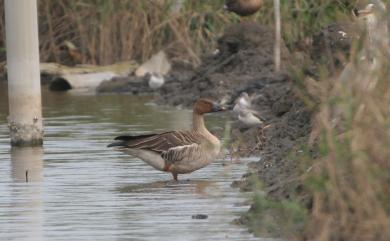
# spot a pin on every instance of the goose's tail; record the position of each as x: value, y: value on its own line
x: 123, y: 141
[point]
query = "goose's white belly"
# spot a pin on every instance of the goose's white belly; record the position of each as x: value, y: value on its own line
x: 196, y: 160
x: 150, y: 157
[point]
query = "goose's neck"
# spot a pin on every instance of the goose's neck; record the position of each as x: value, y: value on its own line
x: 198, y: 126
x: 198, y: 123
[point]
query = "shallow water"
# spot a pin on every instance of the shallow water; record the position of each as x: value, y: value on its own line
x: 78, y: 189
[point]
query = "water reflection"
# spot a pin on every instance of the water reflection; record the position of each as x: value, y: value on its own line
x: 78, y: 189
x: 200, y: 186
x: 26, y: 201
x: 27, y: 163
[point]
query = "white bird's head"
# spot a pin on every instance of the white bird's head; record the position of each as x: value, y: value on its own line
x: 374, y: 9
x: 156, y: 81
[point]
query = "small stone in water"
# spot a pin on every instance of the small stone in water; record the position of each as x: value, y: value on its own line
x: 199, y: 216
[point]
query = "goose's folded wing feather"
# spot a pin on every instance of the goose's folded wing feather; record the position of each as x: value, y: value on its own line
x: 160, y: 143
x: 179, y: 153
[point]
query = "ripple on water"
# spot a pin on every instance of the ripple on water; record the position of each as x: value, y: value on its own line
x: 80, y: 190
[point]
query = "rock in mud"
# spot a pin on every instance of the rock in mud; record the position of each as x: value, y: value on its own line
x: 200, y: 216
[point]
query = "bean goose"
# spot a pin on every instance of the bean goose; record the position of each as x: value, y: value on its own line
x: 177, y: 152
x: 243, y: 7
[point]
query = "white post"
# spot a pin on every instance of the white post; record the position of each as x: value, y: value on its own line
x: 24, y: 87
x: 278, y: 37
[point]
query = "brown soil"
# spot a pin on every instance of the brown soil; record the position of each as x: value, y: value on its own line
x: 245, y: 63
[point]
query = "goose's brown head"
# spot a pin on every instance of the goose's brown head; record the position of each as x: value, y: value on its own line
x: 243, y: 7
x: 203, y: 106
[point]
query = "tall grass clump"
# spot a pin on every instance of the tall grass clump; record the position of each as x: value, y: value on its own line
x: 109, y: 31
x: 346, y: 172
x: 350, y: 181
x: 303, y: 18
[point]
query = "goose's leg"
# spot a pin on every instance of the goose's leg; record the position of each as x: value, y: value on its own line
x: 174, y: 176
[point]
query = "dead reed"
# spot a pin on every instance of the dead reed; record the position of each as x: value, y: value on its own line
x: 349, y: 178
x: 105, y: 32
x: 350, y: 182
x: 303, y: 18
x: 110, y: 31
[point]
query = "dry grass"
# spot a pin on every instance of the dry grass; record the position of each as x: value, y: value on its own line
x: 302, y: 18
x: 109, y: 31
x: 350, y: 182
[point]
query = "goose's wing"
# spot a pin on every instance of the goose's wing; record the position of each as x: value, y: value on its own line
x: 160, y: 143
x: 179, y: 153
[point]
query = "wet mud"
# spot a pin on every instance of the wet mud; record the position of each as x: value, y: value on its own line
x: 245, y: 63
x: 242, y: 62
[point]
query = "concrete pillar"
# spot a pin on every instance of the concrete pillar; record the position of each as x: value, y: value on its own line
x: 24, y: 88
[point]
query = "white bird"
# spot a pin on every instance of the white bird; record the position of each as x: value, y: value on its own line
x: 216, y: 52
x: 156, y: 81
x: 250, y: 118
x: 242, y: 102
x: 374, y: 17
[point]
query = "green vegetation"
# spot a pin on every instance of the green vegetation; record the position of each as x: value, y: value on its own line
x: 271, y: 218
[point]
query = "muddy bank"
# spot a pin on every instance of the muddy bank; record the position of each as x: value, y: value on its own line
x: 242, y: 62
x: 245, y: 63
